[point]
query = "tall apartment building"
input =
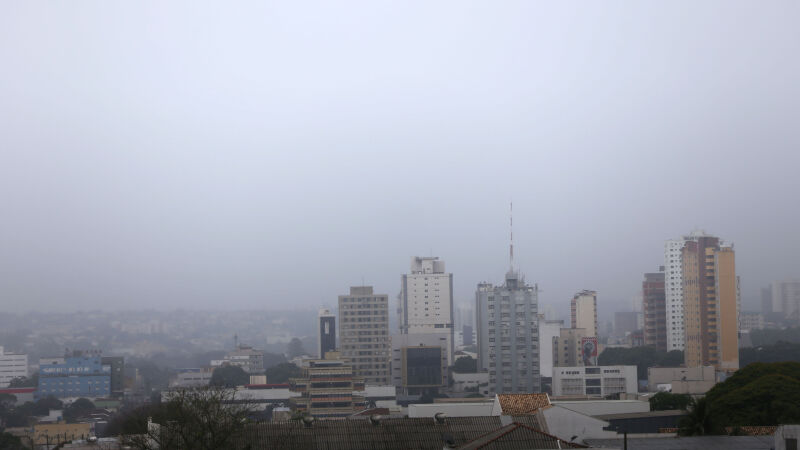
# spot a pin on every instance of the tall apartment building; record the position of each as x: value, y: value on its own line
x: 508, y: 334
x: 327, y: 388
x: 12, y: 365
x: 583, y: 309
x: 655, y: 310
x: 673, y: 288
x: 426, y: 301
x: 327, y: 333
x: 786, y: 299
x: 79, y: 375
x: 710, y: 304
x: 364, y: 333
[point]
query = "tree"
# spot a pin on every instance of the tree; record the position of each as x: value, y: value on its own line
x: 641, y: 357
x: 23, y: 382
x: 78, y: 409
x: 229, y: 376
x: 465, y: 364
x: 665, y: 400
x: 203, y: 419
x: 10, y: 442
x: 282, y: 372
x: 778, y: 352
x: 698, y: 422
x: 295, y: 348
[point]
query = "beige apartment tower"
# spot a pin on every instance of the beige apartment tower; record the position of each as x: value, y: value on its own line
x: 364, y: 334
x: 583, y: 309
x: 710, y: 304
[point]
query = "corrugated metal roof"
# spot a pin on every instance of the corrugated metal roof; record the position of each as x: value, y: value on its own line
x: 689, y: 443
x: 361, y: 433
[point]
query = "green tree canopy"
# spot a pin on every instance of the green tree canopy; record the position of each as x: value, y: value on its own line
x: 282, y: 372
x: 23, y: 382
x: 665, y: 400
x: 78, y: 409
x: 759, y: 394
x: 465, y: 364
x: 641, y: 357
x: 229, y: 376
x: 778, y: 352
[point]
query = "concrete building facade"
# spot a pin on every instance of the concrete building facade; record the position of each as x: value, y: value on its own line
x: 681, y: 380
x: 364, y: 333
x: 508, y: 334
x: 549, y: 332
x: 583, y: 310
x: 786, y: 299
x: 244, y: 356
x: 597, y: 381
x: 326, y: 341
x: 12, y: 365
x: 710, y: 304
x: 327, y: 389
x: 655, y: 310
x: 419, y: 362
x: 74, y: 376
x: 567, y: 350
x: 426, y: 301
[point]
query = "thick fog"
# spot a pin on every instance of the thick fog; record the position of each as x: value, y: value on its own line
x: 271, y: 154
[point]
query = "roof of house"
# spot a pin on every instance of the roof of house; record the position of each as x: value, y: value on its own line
x: 513, y: 404
x: 643, y: 414
x: 518, y: 436
x: 689, y: 443
x: 381, y: 434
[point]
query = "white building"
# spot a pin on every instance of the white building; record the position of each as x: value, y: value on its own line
x: 12, y: 366
x: 549, y: 330
x: 426, y: 301
x: 597, y: 381
x: 786, y: 299
x: 246, y: 357
x: 192, y: 377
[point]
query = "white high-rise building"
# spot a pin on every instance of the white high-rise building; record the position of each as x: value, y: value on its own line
x: 426, y: 301
x: 12, y: 365
x: 673, y: 281
x: 786, y: 299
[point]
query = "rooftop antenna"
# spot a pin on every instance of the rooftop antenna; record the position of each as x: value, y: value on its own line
x: 511, y: 230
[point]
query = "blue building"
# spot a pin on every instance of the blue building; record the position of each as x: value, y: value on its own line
x: 74, y: 376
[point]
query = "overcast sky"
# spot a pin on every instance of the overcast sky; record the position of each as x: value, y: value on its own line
x: 271, y: 154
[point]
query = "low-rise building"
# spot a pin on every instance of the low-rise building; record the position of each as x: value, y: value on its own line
x: 79, y: 375
x: 471, y: 382
x: 192, y: 377
x: 681, y: 380
x: 751, y: 321
x: 12, y: 365
x: 419, y: 362
x: 594, y: 381
x: 246, y: 357
x: 327, y: 388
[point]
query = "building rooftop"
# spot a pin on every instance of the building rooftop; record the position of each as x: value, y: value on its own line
x: 371, y: 433
x: 689, y: 443
x: 520, y: 404
x: 518, y: 436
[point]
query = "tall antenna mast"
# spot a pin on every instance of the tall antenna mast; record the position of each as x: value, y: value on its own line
x: 511, y: 230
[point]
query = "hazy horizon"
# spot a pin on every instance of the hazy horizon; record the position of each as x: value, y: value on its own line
x: 270, y: 155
